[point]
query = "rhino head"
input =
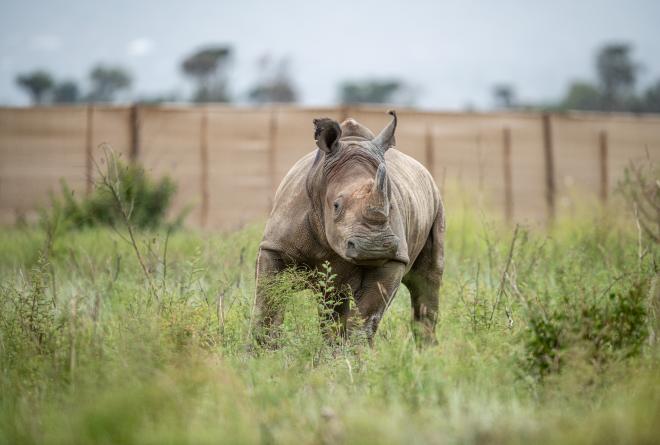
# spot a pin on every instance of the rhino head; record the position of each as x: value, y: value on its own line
x: 352, y: 189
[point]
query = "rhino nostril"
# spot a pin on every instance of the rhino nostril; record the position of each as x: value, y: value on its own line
x: 351, y: 249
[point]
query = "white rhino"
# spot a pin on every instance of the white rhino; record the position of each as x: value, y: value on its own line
x: 371, y: 211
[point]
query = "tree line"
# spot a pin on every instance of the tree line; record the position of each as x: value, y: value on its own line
x: 615, y: 87
x: 105, y: 83
x: 207, y: 68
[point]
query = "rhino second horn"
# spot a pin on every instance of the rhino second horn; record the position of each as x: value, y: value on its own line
x: 385, y: 138
x: 381, y: 179
x: 379, y: 200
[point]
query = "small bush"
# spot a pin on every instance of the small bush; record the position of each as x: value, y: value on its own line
x: 29, y: 322
x: 603, y: 326
x: 149, y: 201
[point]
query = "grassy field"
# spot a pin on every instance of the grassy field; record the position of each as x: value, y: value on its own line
x: 550, y: 338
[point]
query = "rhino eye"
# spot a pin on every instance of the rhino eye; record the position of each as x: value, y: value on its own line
x: 337, y: 206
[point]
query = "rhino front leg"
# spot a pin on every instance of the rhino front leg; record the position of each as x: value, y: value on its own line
x: 268, y: 311
x: 377, y: 288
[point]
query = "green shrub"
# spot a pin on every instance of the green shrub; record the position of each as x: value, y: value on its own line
x: 29, y: 323
x: 603, y: 326
x: 148, y: 200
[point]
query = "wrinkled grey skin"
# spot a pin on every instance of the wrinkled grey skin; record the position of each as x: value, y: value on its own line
x: 373, y: 212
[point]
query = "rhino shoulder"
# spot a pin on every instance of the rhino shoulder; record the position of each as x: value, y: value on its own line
x: 293, y: 183
x: 288, y: 230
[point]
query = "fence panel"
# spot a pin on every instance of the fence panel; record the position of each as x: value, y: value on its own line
x: 169, y: 145
x: 228, y: 161
x: 38, y: 148
x: 592, y: 152
x: 631, y: 139
x: 238, y: 169
x: 108, y: 126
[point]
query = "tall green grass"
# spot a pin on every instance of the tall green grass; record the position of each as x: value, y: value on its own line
x: 544, y: 337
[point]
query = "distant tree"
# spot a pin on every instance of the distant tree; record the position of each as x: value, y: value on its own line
x: 208, y: 68
x: 370, y: 91
x: 66, y: 92
x: 615, y: 90
x: 38, y: 84
x: 582, y: 96
x: 107, y: 81
x: 274, y: 84
x: 617, y: 73
x: 651, y: 98
x: 505, y: 96
x: 157, y: 99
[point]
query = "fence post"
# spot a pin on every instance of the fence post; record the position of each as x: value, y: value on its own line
x: 204, y: 165
x: 89, y: 141
x: 549, y: 167
x: 134, y: 130
x: 272, y: 154
x: 480, y: 165
x: 508, y: 180
x: 428, y: 150
x: 604, y: 180
x: 343, y: 113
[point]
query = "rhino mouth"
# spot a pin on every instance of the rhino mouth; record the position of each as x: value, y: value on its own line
x: 378, y: 262
x: 369, y: 263
x: 371, y: 251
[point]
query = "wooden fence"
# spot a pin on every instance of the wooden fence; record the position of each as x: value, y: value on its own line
x: 228, y: 161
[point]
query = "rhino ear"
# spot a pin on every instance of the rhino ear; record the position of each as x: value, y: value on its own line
x: 327, y: 133
x: 385, y: 138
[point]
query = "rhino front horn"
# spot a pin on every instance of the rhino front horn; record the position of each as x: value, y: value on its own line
x: 385, y: 138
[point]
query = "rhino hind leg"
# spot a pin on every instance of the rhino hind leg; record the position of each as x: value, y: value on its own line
x: 269, y: 312
x: 423, y: 281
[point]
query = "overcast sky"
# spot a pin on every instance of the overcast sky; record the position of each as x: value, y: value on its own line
x: 452, y: 52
